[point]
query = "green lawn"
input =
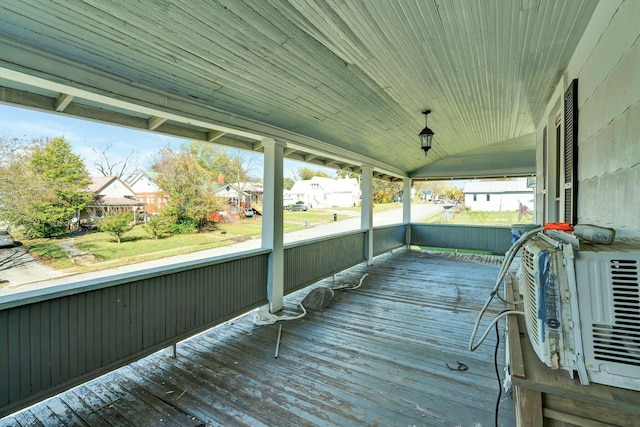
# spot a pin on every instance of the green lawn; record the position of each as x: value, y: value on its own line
x: 137, y: 245
x: 505, y: 218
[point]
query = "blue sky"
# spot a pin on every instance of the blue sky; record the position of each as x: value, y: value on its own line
x: 83, y: 134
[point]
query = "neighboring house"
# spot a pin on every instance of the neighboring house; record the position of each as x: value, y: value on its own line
x: 287, y: 198
x: 252, y: 190
x: 147, y: 190
x: 237, y: 200
x: 111, y: 195
x: 498, y: 195
x: 320, y: 192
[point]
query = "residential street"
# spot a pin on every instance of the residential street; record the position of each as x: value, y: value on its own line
x: 20, y: 272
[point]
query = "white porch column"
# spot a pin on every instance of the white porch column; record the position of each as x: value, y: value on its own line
x: 272, y: 221
x: 366, y: 214
x: 406, y: 208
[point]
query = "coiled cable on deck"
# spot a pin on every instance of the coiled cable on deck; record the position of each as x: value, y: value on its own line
x: 509, y: 256
x: 270, y: 319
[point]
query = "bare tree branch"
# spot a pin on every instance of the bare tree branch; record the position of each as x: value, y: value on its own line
x: 124, y: 167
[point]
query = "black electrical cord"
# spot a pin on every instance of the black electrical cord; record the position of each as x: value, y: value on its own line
x: 495, y: 364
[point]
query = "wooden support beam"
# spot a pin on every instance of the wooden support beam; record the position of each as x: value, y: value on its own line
x: 154, y: 122
x: 214, y: 134
x: 63, y: 101
x: 309, y: 157
x: 288, y: 151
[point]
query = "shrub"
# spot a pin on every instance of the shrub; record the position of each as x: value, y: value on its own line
x: 116, y: 224
x: 158, y: 226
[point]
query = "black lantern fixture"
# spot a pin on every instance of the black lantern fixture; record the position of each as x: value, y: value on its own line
x: 426, y: 134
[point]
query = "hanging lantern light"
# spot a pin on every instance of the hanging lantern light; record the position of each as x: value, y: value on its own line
x: 426, y: 134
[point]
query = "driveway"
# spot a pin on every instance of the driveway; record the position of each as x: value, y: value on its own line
x: 17, y: 266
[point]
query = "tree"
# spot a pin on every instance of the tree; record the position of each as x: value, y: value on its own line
x: 344, y: 174
x: 190, y: 189
x: 124, y: 168
x: 306, y: 173
x: 385, y: 191
x: 287, y: 183
x: 43, y: 186
x: 117, y: 224
x: 231, y: 164
x: 157, y: 226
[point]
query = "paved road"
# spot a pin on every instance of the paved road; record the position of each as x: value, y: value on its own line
x: 20, y: 272
x: 18, y: 266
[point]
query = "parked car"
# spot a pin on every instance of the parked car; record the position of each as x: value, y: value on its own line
x: 248, y: 213
x: 298, y: 207
x: 6, y: 239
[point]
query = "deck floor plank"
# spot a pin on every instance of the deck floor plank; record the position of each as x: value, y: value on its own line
x: 376, y: 356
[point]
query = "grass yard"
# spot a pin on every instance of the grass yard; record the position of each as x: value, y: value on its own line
x: 137, y: 245
x: 103, y: 251
x: 504, y: 218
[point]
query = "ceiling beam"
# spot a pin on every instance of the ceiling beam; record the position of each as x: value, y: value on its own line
x: 214, y: 134
x: 63, y: 101
x: 155, y: 122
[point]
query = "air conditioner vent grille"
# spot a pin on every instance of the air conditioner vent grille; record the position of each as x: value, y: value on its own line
x: 619, y: 344
x: 528, y: 260
x: 625, y: 290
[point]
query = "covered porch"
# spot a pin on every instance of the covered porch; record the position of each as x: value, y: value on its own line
x: 384, y: 354
x: 341, y: 85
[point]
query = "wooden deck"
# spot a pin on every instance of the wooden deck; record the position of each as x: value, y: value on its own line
x: 376, y: 356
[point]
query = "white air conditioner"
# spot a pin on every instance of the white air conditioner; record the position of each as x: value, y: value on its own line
x: 582, y: 308
x: 550, y: 316
x: 608, y: 281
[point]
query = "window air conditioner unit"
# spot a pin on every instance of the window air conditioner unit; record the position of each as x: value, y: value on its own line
x: 582, y: 308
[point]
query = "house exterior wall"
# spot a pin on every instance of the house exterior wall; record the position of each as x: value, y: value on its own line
x: 496, y: 196
x: 323, y: 192
x: 117, y: 189
x: 607, y: 66
x: 497, y: 201
x: 147, y: 191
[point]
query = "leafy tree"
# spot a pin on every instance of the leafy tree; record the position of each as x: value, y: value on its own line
x: 43, y: 185
x: 117, y: 224
x: 344, y: 174
x: 385, y: 191
x: 231, y: 164
x: 288, y: 183
x: 189, y: 186
x: 305, y: 173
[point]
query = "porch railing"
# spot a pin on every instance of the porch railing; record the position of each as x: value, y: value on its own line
x: 309, y: 261
x: 458, y: 236
x: 56, y: 338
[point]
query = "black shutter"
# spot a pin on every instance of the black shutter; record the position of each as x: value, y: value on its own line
x: 571, y: 153
x: 545, y: 161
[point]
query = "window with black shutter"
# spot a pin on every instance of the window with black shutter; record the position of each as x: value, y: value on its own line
x: 570, y: 201
x: 545, y: 176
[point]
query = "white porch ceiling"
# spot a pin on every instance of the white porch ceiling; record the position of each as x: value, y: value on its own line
x: 343, y: 83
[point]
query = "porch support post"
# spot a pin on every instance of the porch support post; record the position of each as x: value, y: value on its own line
x: 366, y: 214
x: 272, y: 221
x: 406, y: 209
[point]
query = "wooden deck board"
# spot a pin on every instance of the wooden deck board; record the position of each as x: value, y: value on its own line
x: 377, y: 355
